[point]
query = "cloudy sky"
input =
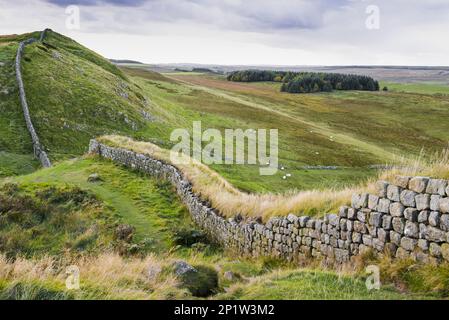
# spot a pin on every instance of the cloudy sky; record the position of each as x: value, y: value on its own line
x: 256, y: 32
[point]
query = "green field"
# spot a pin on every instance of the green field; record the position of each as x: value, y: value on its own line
x: 419, y: 87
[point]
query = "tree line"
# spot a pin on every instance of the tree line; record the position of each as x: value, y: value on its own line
x: 307, y: 82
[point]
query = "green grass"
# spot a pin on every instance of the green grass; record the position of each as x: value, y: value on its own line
x: 44, y: 219
x: 149, y: 205
x: 418, y: 87
x: 12, y: 164
x: 73, y: 95
x: 311, y: 285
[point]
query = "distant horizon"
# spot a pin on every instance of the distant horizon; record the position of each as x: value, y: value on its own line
x: 284, y: 66
x: 236, y: 32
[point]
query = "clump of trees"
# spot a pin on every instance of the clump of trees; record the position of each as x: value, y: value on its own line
x: 307, y: 82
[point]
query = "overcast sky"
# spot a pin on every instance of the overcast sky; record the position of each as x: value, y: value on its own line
x: 256, y: 32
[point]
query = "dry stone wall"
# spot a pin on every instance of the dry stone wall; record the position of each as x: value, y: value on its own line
x: 39, y: 151
x: 407, y: 219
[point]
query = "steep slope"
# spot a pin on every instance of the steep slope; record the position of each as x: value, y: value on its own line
x: 73, y: 95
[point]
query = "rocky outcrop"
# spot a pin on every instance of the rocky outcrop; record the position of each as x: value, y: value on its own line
x: 407, y: 219
x: 39, y: 151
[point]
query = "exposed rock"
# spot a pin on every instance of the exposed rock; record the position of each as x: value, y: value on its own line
x: 229, y: 275
x: 182, y: 267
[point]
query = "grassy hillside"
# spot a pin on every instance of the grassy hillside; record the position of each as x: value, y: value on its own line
x: 350, y: 130
x: 73, y: 94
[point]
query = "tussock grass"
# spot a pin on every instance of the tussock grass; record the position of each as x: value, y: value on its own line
x: 436, y: 165
x: 231, y: 201
x: 106, y: 276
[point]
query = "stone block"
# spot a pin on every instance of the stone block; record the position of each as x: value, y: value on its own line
x: 411, y: 214
x: 381, y: 189
x: 436, y: 186
x: 423, y: 216
x: 408, y: 244
x: 383, y: 205
x: 401, y: 181
x: 434, y: 218
x: 435, y: 250
x: 418, y: 184
x: 373, y: 200
x: 435, y: 234
x: 397, y: 209
x: 422, y: 201
x: 444, y: 205
x: 394, y: 192
x: 387, y: 222
x: 411, y: 230
x: 408, y: 198
x: 398, y: 225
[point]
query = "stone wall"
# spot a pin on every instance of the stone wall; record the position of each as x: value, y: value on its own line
x: 39, y: 151
x: 407, y: 218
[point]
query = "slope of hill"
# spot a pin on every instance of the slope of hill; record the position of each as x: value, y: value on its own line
x: 73, y: 95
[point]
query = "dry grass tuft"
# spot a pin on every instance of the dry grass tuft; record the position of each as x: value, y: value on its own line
x: 106, y: 276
